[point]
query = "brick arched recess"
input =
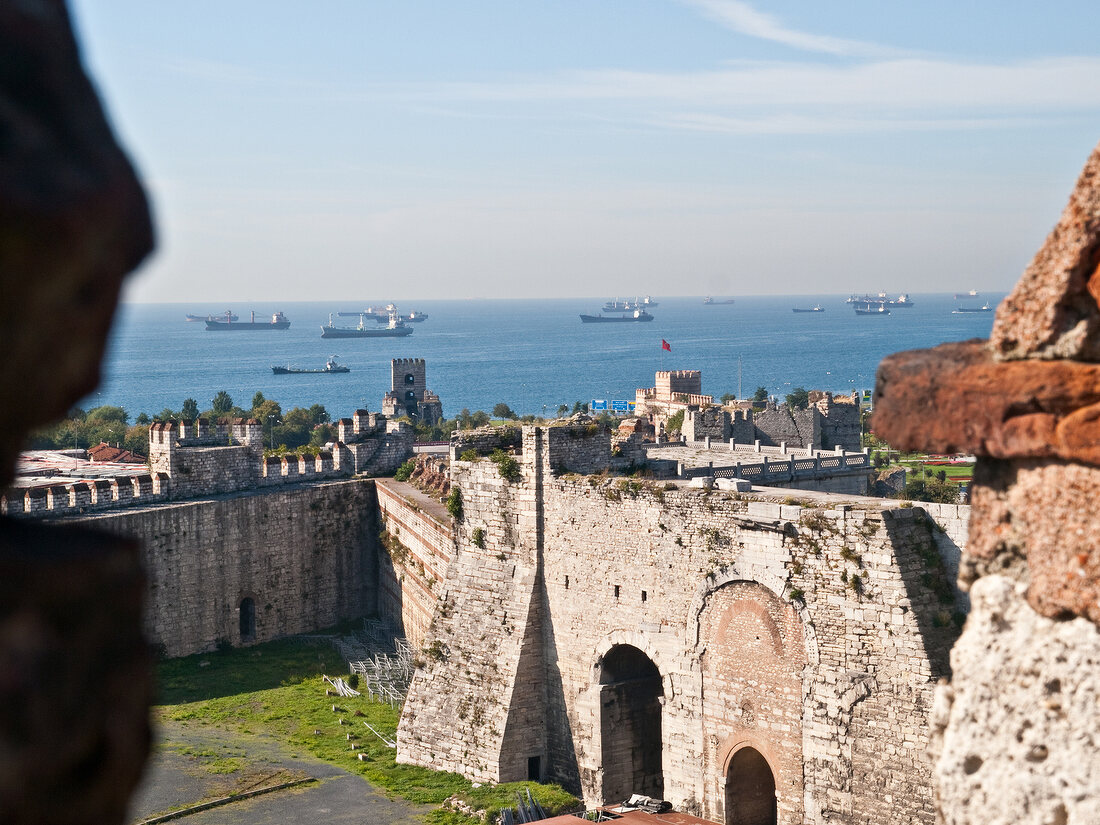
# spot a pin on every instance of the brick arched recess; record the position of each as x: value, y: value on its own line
x: 752, y: 656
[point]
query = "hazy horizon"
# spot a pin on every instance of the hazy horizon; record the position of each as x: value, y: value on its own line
x: 535, y: 150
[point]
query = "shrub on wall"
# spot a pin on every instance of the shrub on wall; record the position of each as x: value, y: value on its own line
x: 506, y: 465
x: 454, y: 503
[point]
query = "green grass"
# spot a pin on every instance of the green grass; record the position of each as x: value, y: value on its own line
x: 276, y: 688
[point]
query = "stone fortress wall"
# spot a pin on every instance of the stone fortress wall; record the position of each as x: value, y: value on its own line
x: 619, y: 636
x: 417, y: 548
x: 303, y: 556
x: 192, y: 458
x: 828, y: 422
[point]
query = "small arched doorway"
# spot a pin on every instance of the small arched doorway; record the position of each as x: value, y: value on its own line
x: 248, y: 619
x: 750, y: 790
x: 630, y: 725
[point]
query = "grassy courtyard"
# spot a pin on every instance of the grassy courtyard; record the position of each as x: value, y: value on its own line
x: 276, y: 689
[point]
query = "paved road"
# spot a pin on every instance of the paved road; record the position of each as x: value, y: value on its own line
x: 193, y: 763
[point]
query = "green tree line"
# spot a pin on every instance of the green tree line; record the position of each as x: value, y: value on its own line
x: 298, y: 427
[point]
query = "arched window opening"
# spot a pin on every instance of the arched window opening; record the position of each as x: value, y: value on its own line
x: 410, y: 378
x: 630, y: 700
x: 750, y: 790
x: 248, y: 619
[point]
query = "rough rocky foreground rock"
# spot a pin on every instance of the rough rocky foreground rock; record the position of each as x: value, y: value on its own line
x: 1017, y: 727
x: 74, y: 676
x: 1052, y: 312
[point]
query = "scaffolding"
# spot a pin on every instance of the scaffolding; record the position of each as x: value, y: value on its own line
x: 382, y: 658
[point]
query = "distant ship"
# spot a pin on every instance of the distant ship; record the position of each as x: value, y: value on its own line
x: 330, y: 366
x: 903, y: 301
x: 971, y: 294
x: 867, y: 309
x: 278, y: 321
x: 815, y: 308
x: 227, y: 314
x: 637, y: 315
x: 381, y: 314
x: 396, y: 328
x: 962, y: 310
x: 715, y: 302
x: 629, y: 306
x: 416, y: 317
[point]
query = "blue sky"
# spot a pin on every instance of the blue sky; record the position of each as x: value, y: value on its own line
x: 377, y: 151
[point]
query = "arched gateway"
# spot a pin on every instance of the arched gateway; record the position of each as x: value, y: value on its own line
x: 750, y: 790
x: 630, y: 724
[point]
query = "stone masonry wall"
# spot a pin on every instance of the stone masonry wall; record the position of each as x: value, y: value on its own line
x: 411, y: 572
x: 840, y: 421
x: 306, y: 555
x: 779, y: 424
x: 471, y: 684
x: 573, y: 568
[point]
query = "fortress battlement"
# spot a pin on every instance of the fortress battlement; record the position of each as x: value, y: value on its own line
x: 192, y: 459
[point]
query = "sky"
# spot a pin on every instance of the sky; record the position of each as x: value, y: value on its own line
x: 358, y: 149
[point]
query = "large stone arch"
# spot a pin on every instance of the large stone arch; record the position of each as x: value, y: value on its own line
x: 752, y: 649
x: 631, y: 708
x: 665, y: 653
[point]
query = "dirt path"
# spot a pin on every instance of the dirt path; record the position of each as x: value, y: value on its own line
x: 193, y: 763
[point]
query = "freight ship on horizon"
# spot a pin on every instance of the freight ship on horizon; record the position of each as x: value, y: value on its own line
x: 396, y: 328
x: 330, y: 366
x: 278, y: 321
x: 638, y: 315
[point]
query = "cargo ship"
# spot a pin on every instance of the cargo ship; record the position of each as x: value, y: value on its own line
x: 330, y: 366
x: 396, y: 328
x: 637, y: 315
x: 278, y: 321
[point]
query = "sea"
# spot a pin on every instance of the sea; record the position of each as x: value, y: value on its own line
x: 533, y: 355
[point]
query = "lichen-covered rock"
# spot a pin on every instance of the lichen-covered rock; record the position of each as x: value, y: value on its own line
x: 1052, y: 312
x: 1018, y: 731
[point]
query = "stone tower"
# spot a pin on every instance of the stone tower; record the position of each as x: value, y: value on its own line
x: 409, y: 395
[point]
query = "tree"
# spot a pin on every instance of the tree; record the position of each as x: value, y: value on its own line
x: 143, y: 418
x: 257, y: 399
x: 107, y: 414
x: 674, y: 423
x: 480, y: 418
x: 502, y: 410
x: 222, y: 403
x: 760, y: 395
x: 798, y: 398
x: 167, y: 414
x: 137, y: 439
x: 104, y: 424
x: 190, y: 409
x: 295, y: 429
x: 727, y: 397
x: 563, y: 410
x: 319, y: 415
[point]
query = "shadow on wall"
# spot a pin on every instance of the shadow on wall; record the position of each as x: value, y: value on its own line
x: 928, y: 584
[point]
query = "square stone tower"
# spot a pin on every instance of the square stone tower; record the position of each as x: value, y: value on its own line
x: 409, y: 395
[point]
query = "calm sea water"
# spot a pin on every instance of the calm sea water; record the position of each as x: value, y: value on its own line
x: 532, y: 355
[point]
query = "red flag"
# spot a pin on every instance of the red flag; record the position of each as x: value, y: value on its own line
x: 666, y: 345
